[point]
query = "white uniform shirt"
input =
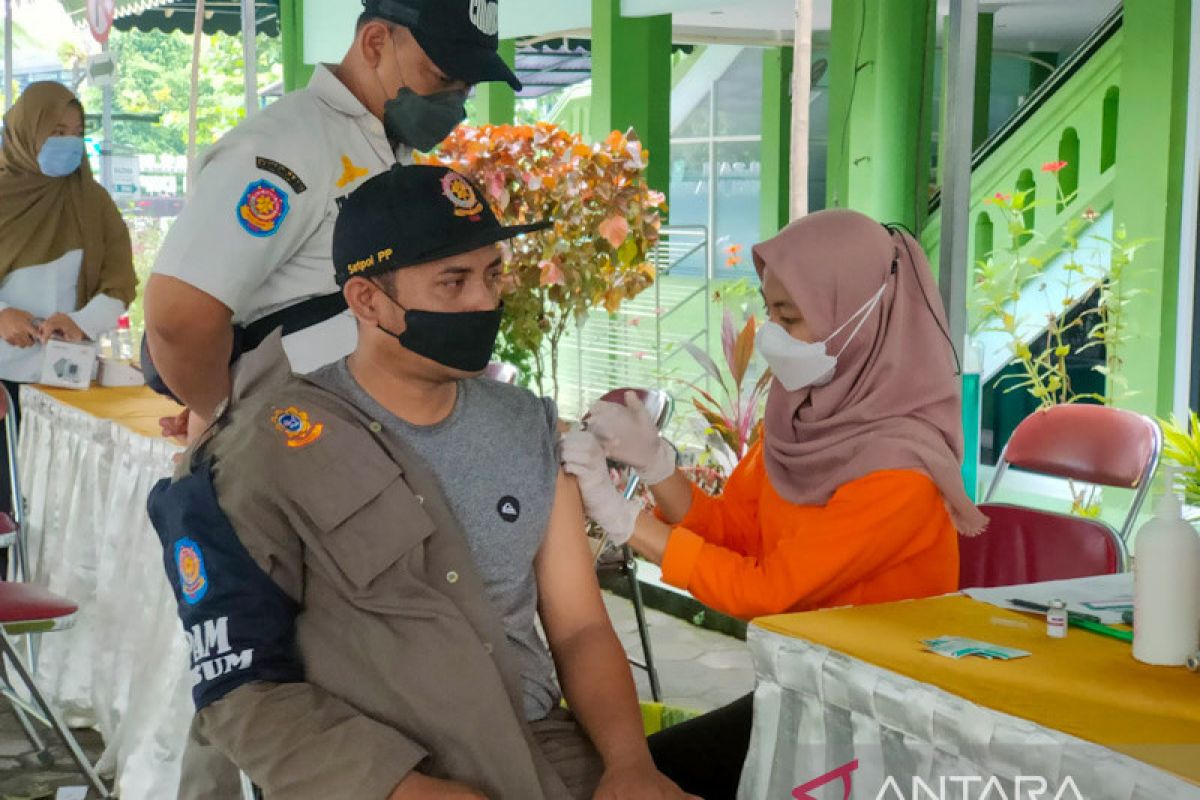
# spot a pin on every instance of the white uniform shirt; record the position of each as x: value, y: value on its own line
x: 257, y: 230
x: 44, y: 290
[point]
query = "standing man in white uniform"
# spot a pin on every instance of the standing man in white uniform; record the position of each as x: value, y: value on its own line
x: 252, y: 251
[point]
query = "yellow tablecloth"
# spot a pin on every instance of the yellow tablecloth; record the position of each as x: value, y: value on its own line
x: 136, y: 408
x: 1085, y: 685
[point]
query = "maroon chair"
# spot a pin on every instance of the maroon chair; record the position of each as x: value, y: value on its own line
x: 29, y: 609
x: 1092, y: 444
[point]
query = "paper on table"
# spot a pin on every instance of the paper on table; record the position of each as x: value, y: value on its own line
x: 1103, y: 596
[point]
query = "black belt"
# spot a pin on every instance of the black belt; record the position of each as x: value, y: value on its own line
x: 293, y: 319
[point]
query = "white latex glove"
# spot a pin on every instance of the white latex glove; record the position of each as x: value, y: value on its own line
x: 583, y: 457
x: 628, y: 435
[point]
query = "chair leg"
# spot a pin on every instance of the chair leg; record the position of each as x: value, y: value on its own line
x: 639, y: 611
x: 56, y: 722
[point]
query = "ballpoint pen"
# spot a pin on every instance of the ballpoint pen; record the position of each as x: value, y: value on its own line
x: 1072, y: 616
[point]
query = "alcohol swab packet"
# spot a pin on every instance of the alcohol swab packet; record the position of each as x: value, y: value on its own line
x: 961, y: 647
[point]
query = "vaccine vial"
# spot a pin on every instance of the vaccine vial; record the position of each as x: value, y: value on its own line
x: 1056, y: 620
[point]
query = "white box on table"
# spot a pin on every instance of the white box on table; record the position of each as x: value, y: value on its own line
x: 114, y: 372
x: 68, y: 364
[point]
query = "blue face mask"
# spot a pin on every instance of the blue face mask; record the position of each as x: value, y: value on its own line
x: 60, y: 156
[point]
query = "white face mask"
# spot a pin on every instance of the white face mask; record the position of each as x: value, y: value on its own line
x: 799, y: 365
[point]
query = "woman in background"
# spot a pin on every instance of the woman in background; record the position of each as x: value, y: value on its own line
x: 66, y: 263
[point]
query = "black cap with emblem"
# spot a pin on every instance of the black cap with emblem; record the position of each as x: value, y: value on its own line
x: 461, y: 36
x: 412, y: 215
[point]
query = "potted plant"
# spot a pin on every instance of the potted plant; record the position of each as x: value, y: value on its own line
x: 606, y: 220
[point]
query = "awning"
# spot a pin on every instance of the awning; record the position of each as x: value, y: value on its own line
x: 224, y: 16
x: 547, y: 65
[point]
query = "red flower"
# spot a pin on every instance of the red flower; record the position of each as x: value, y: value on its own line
x: 1053, y: 166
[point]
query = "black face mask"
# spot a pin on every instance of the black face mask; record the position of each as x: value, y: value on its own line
x: 420, y: 121
x: 461, y: 340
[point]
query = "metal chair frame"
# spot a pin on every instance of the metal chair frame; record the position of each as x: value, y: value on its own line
x: 662, y: 406
x: 40, y: 708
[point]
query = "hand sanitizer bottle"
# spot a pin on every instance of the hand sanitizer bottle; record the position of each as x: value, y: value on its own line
x: 1166, y: 606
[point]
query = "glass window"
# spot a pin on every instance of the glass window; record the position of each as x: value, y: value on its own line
x: 690, y: 175
x: 739, y: 207
x: 739, y: 96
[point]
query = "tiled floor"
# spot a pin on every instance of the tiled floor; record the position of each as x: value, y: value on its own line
x: 698, y: 670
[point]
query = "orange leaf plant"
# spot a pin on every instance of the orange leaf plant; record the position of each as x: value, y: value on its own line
x: 606, y: 220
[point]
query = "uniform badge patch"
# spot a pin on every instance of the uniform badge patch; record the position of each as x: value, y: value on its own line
x: 297, y: 427
x: 351, y: 172
x: 193, y: 577
x: 462, y: 195
x: 262, y: 209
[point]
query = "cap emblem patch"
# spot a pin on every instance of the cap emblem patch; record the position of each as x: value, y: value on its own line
x: 262, y: 209
x: 297, y: 427
x: 461, y: 194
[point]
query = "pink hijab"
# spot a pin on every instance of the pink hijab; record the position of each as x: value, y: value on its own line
x: 894, y: 401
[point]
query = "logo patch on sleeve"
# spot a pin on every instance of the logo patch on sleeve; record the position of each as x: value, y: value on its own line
x: 193, y: 577
x: 262, y: 209
x: 509, y: 509
x: 287, y: 173
x: 295, y: 425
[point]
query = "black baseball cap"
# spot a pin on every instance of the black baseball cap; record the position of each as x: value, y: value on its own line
x: 461, y: 36
x: 412, y: 215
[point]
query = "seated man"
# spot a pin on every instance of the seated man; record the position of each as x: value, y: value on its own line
x: 360, y: 554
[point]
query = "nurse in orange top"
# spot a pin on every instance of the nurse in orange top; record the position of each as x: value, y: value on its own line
x: 854, y: 494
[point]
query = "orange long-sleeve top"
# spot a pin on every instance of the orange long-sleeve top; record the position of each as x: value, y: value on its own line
x: 886, y: 536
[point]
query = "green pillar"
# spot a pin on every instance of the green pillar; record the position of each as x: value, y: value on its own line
x: 631, y: 82
x: 496, y: 102
x: 896, y: 168
x: 881, y: 106
x: 1040, y: 69
x: 776, y: 140
x: 983, y: 80
x: 847, y: 84
x: 296, y: 73
x: 1151, y: 132
x: 983, y: 77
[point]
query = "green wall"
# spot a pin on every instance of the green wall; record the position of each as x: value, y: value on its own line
x: 1151, y: 130
x: 631, y: 82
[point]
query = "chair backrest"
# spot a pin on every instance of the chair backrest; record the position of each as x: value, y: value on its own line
x: 1088, y: 443
x: 502, y: 372
x: 661, y: 407
x: 1024, y: 545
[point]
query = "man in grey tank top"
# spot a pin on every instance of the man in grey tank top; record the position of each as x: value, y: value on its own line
x: 415, y: 250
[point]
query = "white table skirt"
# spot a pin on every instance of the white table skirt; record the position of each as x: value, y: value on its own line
x: 122, y: 667
x: 816, y: 710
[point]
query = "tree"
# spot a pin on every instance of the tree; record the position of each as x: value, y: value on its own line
x: 153, y: 77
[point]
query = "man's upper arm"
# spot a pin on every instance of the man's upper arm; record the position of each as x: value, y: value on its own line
x: 249, y: 212
x: 568, y: 592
